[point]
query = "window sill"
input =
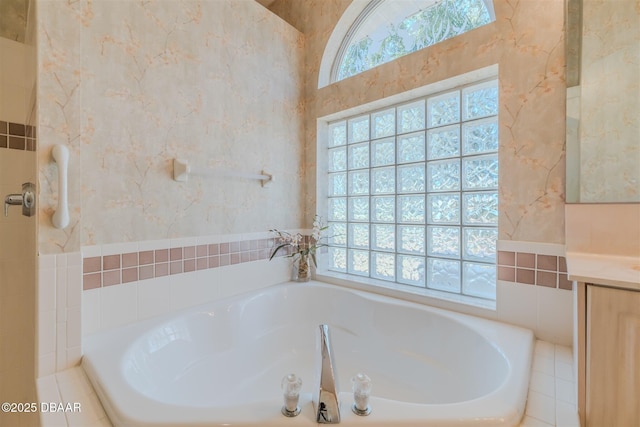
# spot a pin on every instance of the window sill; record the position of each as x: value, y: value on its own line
x: 459, y: 303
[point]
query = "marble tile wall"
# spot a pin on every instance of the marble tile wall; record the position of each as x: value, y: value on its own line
x: 128, y: 86
x: 526, y: 41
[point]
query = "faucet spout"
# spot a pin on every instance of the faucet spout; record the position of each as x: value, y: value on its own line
x: 326, y: 399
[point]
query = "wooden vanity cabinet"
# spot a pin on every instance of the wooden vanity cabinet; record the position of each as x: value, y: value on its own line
x: 609, y: 372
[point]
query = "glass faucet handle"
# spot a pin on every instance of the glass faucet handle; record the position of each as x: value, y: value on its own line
x: 291, y: 385
x: 361, y: 385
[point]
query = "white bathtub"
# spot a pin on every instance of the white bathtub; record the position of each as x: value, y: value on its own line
x: 221, y: 364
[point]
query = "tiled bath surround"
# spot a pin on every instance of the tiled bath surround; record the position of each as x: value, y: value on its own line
x: 66, y: 312
x: 533, y: 290
x: 532, y: 277
x: 59, y: 324
x: 131, y: 281
x: 168, y: 275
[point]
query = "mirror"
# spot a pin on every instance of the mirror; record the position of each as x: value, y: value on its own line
x: 603, y: 101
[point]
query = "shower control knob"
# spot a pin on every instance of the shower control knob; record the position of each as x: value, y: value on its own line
x: 27, y: 200
x: 11, y: 200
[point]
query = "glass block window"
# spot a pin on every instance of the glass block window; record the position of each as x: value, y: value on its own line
x: 389, y: 29
x: 413, y: 192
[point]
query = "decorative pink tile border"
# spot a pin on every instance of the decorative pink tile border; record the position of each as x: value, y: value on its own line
x: 101, y: 271
x: 533, y: 269
x: 109, y: 270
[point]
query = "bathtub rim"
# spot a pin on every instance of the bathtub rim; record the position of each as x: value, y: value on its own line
x: 514, y: 401
x: 463, y: 304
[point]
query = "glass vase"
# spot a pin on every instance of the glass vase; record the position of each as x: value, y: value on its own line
x: 302, y: 268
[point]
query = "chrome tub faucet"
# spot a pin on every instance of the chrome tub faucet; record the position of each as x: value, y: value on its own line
x: 325, y: 399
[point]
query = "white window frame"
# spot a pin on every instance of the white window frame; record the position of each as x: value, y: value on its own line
x: 368, y: 283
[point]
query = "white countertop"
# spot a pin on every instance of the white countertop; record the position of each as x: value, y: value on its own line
x: 611, y: 270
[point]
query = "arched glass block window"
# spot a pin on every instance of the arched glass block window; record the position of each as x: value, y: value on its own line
x: 389, y: 29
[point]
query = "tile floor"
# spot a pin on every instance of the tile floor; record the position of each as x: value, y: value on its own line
x: 551, y: 401
x: 71, y: 385
x: 552, y: 389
